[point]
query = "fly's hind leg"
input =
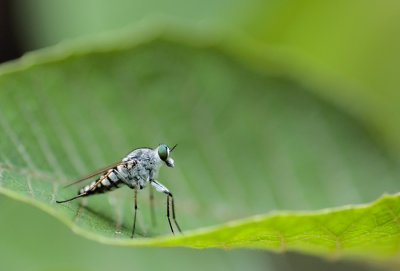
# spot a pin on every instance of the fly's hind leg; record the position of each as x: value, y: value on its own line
x: 161, y: 188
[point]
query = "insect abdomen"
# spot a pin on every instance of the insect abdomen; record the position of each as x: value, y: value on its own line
x: 107, y: 184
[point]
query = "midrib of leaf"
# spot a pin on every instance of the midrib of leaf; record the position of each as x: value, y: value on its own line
x: 222, y: 193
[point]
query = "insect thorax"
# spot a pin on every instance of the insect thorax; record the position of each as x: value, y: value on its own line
x: 147, y: 167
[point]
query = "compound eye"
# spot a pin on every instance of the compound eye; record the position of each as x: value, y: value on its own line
x: 163, y: 152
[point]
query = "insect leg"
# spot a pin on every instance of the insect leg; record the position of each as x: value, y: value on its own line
x: 87, y: 192
x: 173, y: 213
x: 153, y: 218
x: 160, y: 188
x: 169, y: 220
x: 134, y: 216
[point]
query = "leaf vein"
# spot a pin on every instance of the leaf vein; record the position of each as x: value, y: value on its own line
x: 396, y: 219
x: 1, y: 175
x: 32, y: 173
x: 14, y: 139
x: 54, y: 186
x: 29, y: 184
x: 44, y: 146
x: 62, y: 133
x: 335, y: 237
x: 79, y: 212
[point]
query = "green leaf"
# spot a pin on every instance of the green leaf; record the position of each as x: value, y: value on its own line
x: 319, y: 47
x: 371, y: 230
x: 250, y: 141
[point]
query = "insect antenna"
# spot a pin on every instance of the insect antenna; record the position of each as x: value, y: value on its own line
x: 173, y: 148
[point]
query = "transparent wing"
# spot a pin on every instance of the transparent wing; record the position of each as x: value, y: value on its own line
x: 98, y: 172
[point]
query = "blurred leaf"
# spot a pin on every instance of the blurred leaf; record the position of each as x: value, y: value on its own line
x: 350, y: 46
x: 353, y: 46
x: 97, y: 17
x: 249, y: 141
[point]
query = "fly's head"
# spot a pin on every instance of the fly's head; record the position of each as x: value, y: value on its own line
x: 164, y: 152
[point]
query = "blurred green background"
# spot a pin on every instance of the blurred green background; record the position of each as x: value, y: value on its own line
x: 351, y: 46
x: 344, y: 54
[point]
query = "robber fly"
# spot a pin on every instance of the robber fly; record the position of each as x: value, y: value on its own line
x: 136, y: 170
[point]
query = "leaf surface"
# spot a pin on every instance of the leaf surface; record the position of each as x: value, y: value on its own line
x: 250, y: 141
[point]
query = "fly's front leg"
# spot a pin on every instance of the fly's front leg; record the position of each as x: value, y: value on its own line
x: 160, y: 188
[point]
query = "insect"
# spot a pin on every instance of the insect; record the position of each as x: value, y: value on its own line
x: 136, y: 170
